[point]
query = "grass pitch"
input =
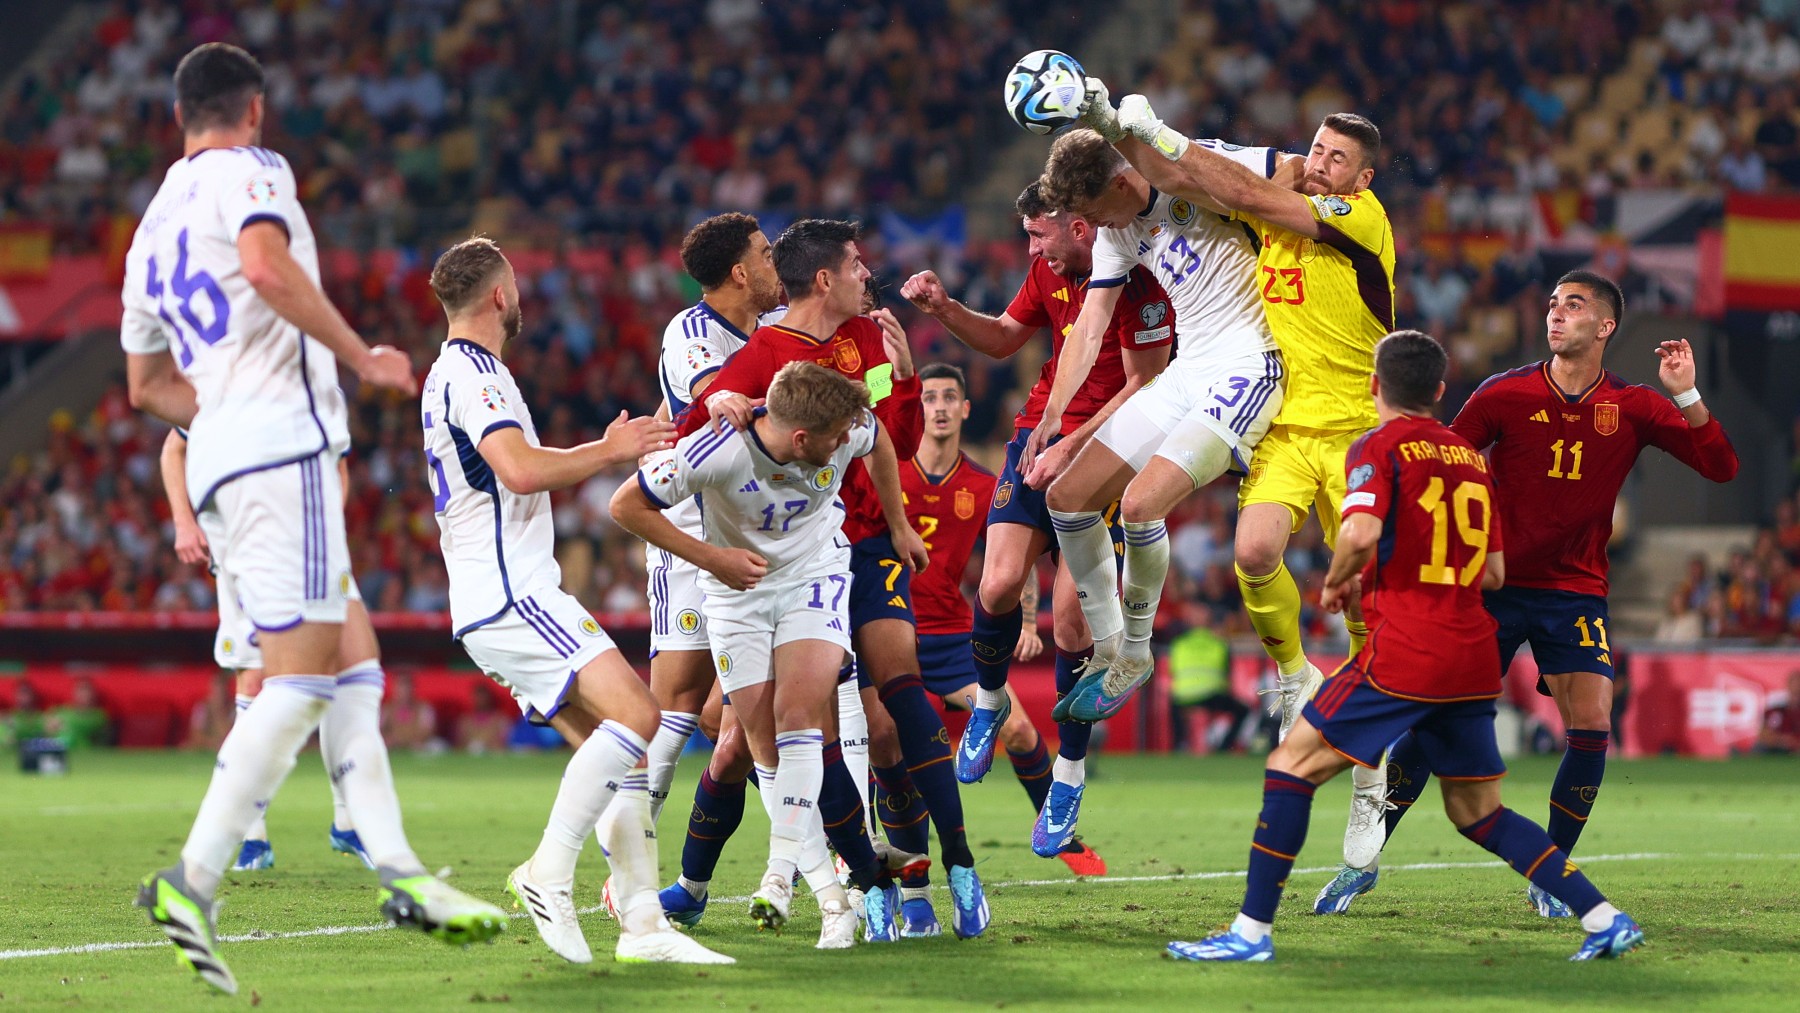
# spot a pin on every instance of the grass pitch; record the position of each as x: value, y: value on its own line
x: 1705, y: 855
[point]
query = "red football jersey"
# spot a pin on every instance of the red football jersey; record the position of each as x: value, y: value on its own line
x: 949, y: 512
x: 1560, y: 460
x: 855, y: 351
x: 1144, y: 318
x: 1429, y: 636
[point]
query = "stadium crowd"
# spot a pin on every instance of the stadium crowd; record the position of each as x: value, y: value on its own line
x: 594, y: 135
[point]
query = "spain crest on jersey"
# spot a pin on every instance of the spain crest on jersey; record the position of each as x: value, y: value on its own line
x: 1606, y: 419
x: 965, y: 504
x: 846, y: 356
x: 1002, y: 494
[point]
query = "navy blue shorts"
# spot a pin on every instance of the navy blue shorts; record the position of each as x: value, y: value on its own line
x: 1360, y: 722
x: 1017, y: 503
x: 1566, y: 630
x: 880, y: 584
x: 947, y: 665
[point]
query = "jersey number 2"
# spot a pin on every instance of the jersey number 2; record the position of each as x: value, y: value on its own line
x: 1473, y: 534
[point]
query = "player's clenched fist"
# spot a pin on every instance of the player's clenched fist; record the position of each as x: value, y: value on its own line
x: 739, y: 569
x: 389, y: 367
x: 925, y: 291
x: 639, y: 436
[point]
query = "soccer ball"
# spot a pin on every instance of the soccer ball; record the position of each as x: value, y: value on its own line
x: 1045, y: 90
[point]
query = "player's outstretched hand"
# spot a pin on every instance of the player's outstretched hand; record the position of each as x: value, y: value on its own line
x: 389, y: 367
x: 893, y: 341
x: 1334, y: 598
x: 925, y: 291
x: 190, y: 544
x: 636, y: 437
x: 735, y: 409
x: 1677, y: 368
x: 739, y: 569
x: 1098, y: 113
x: 911, y: 549
x: 1030, y: 644
x: 1051, y: 462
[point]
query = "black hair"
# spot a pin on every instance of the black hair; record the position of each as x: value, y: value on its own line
x: 713, y: 247
x: 807, y: 247
x: 1410, y: 365
x: 1360, y: 129
x: 1602, y: 286
x: 214, y: 84
x: 1031, y: 202
x: 945, y: 371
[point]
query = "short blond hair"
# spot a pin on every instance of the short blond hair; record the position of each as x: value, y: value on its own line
x: 806, y: 395
x: 465, y: 271
x: 1080, y: 168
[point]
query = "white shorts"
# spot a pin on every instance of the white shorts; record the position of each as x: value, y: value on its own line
x: 1236, y: 400
x: 537, y: 648
x: 280, y: 542
x: 745, y: 627
x: 235, y: 647
x: 677, y: 622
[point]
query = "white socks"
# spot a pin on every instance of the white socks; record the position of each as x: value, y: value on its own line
x: 254, y: 759
x: 259, y: 831
x: 799, y: 773
x: 589, y: 782
x: 1146, y: 568
x: 628, y: 838
x: 665, y: 749
x: 1252, y: 930
x: 1088, y: 549
x: 1069, y: 772
x: 853, y: 738
x: 356, y: 757
x: 1600, y: 917
x: 1370, y: 781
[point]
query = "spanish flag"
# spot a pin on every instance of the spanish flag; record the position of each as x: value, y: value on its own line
x: 1762, y: 235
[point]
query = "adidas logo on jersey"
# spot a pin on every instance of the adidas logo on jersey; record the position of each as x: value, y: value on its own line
x: 1061, y: 294
x: 751, y: 486
x: 1541, y: 416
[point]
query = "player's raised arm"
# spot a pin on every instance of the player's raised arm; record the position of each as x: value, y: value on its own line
x: 282, y: 283
x: 190, y: 541
x: 994, y: 337
x: 1703, y: 445
x: 1079, y: 351
x: 526, y: 469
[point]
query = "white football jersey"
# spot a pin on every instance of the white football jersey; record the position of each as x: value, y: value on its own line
x: 499, y: 546
x: 695, y: 346
x: 268, y: 394
x: 789, y: 514
x: 1205, y: 261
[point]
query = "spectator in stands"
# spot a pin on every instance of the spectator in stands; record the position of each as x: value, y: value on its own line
x: 82, y: 723
x: 1682, y: 624
x: 483, y: 728
x: 407, y: 722
x: 211, y: 719
x: 1199, y: 661
x: 1780, y: 731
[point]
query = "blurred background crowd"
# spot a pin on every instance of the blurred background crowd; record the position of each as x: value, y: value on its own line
x: 593, y: 134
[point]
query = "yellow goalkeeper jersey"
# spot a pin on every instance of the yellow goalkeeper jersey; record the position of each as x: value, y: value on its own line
x: 1329, y: 300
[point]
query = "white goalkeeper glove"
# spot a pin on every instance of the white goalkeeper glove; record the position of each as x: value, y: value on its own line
x: 1097, y: 112
x: 1135, y: 117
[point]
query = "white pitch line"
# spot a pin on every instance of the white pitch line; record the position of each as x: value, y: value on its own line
x: 345, y: 930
